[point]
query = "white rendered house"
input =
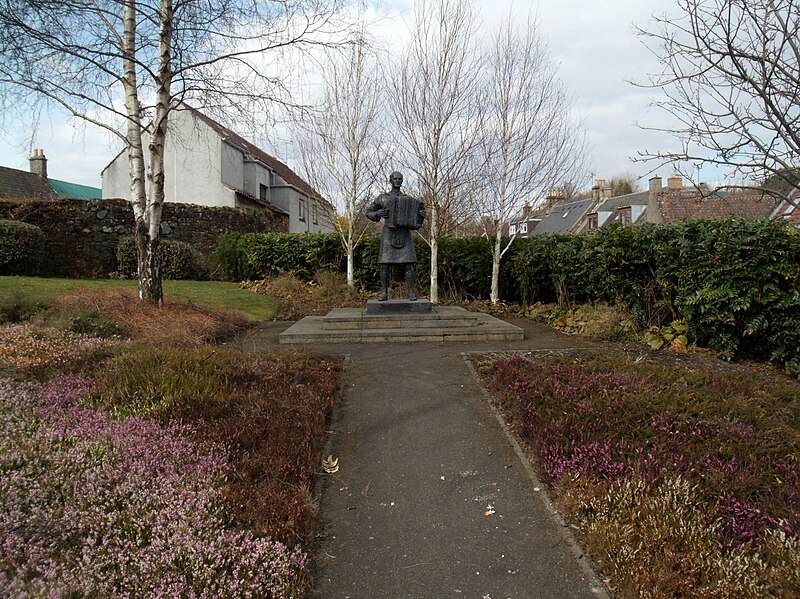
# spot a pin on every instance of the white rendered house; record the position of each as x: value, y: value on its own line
x: 209, y: 165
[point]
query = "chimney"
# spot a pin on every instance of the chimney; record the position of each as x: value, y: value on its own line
x: 526, y: 210
x: 653, y: 213
x: 554, y: 196
x: 675, y: 182
x: 654, y: 185
x: 38, y: 163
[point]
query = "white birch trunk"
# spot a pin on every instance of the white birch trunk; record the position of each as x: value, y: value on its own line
x: 497, y: 254
x: 350, y: 258
x: 434, y: 242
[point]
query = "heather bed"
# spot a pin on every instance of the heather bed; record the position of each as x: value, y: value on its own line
x: 155, y: 463
x: 682, y: 481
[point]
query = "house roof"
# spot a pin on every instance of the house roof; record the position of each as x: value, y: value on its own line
x: 22, y: 185
x: 787, y: 211
x: 564, y: 218
x: 282, y: 170
x: 74, y: 190
x: 638, y: 198
x: 688, y: 204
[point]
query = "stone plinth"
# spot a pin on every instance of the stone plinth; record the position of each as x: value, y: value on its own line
x: 421, y: 306
x: 440, y: 324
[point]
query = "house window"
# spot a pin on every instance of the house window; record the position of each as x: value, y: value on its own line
x: 591, y: 220
x: 262, y: 192
x: 512, y: 229
x: 523, y: 228
x: 301, y: 209
x: 272, y: 179
x: 315, y: 211
x: 624, y: 215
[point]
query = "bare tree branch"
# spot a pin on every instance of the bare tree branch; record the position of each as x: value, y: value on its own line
x: 731, y: 75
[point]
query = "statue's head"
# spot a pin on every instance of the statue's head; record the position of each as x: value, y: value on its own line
x: 396, y: 179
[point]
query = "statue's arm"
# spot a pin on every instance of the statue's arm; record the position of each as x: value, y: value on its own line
x: 376, y: 210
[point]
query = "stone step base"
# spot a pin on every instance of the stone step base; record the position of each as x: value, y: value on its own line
x: 357, y: 318
x: 443, y: 324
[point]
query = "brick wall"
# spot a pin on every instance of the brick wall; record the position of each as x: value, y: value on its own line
x: 82, y: 235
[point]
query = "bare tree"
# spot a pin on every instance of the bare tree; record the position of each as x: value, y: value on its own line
x: 436, y: 86
x: 341, y: 143
x: 530, y: 139
x: 731, y: 71
x: 125, y: 65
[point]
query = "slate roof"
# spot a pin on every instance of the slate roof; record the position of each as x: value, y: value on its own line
x: 564, y: 218
x: 688, y: 204
x: 638, y: 198
x: 23, y: 185
x: 282, y: 170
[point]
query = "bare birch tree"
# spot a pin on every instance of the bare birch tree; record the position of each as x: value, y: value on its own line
x: 731, y: 74
x: 437, y: 108
x: 341, y: 142
x: 124, y: 65
x: 530, y: 139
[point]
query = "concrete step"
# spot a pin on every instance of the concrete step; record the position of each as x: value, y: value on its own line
x: 445, y: 323
x: 356, y: 318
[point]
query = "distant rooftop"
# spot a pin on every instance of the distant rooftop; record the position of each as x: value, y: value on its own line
x: 74, y: 190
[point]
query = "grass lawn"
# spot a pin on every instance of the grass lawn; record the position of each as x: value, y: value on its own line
x: 214, y: 294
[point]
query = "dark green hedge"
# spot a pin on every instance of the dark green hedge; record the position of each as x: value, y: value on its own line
x: 465, y: 264
x: 21, y: 248
x: 179, y: 260
x: 737, y: 283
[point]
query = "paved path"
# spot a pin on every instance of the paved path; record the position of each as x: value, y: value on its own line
x: 432, y: 500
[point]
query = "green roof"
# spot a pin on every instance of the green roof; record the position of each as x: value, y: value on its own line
x: 73, y: 190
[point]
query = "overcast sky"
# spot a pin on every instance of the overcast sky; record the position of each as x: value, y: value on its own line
x: 592, y: 41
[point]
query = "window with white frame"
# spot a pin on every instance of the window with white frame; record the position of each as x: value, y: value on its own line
x: 301, y: 209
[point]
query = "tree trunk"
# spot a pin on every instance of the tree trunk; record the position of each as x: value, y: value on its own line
x: 434, y: 290
x: 350, y: 260
x: 148, y: 228
x: 496, y: 256
x: 150, y: 288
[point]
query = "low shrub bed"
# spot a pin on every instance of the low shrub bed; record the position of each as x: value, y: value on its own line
x: 684, y: 481
x: 155, y: 464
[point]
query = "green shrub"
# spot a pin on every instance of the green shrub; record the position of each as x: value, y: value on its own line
x: 146, y: 379
x: 179, y: 260
x: 16, y: 307
x: 94, y: 324
x: 21, y: 248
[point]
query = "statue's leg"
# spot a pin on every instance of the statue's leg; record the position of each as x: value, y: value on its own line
x: 384, y: 283
x: 411, y: 281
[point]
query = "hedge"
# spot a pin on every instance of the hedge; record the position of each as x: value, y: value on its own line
x: 179, y: 260
x: 21, y: 248
x: 736, y: 283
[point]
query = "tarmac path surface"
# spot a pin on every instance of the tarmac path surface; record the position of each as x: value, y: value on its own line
x: 432, y: 498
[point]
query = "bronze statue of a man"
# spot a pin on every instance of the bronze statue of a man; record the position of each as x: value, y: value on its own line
x: 401, y: 214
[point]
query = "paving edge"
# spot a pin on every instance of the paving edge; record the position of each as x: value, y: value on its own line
x: 331, y: 427
x: 597, y: 586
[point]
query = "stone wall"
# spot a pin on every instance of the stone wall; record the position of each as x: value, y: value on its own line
x: 82, y: 235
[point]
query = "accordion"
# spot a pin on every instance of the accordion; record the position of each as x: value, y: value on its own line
x: 403, y: 212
